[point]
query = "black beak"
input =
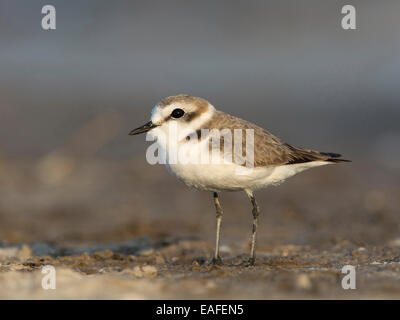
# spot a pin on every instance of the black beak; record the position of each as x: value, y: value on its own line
x: 144, y: 128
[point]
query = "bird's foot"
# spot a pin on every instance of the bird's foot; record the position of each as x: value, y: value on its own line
x: 216, y: 261
x: 250, y: 262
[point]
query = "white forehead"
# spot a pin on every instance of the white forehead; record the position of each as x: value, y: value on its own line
x: 156, y: 114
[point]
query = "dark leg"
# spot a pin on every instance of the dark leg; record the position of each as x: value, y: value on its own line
x: 256, y: 212
x: 216, y: 259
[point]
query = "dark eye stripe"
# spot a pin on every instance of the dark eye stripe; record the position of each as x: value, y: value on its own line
x: 191, y: 115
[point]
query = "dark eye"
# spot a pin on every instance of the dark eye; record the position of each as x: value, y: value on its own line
x: 177, y: 113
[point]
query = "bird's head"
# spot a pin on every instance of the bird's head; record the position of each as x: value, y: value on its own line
x: 188, y: 113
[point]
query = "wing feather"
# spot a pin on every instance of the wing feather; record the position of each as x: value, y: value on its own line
x: 268, y: 149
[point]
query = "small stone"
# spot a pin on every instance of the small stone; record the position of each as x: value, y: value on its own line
x: 106, y: 254
x: 144, y: 271
x: 19, y: 267
x: 82, y: 256
x: 199, y: 261
x: 303, y: 282
x: 210, y: 285
x: 149, y: 271
x: 117, y: 256
x: 146, y: 253
x: 25, y: 252
x: 131, y: 257
x: 195, y: 263
x: 159, y: 259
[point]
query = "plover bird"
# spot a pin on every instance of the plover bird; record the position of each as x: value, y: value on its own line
x: 271, y: 160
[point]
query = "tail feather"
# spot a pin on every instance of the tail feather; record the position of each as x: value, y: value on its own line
x: 300, y: 155
x: 331, y: 154
x: 333, y: 157
x: 335, y: 160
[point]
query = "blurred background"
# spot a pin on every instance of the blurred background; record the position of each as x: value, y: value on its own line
x: 70, y: 174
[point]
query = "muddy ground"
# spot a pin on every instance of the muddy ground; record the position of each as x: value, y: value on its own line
x: 127, y: 230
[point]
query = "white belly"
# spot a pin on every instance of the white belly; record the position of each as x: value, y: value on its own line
x: 225, y: 177
x: 222, y: 176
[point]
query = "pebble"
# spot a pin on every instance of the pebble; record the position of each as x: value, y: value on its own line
x: 303, y: 282
x: 106, y: 254
x: 143, y: 271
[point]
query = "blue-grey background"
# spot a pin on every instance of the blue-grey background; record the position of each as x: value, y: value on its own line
x: 286, y: 65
